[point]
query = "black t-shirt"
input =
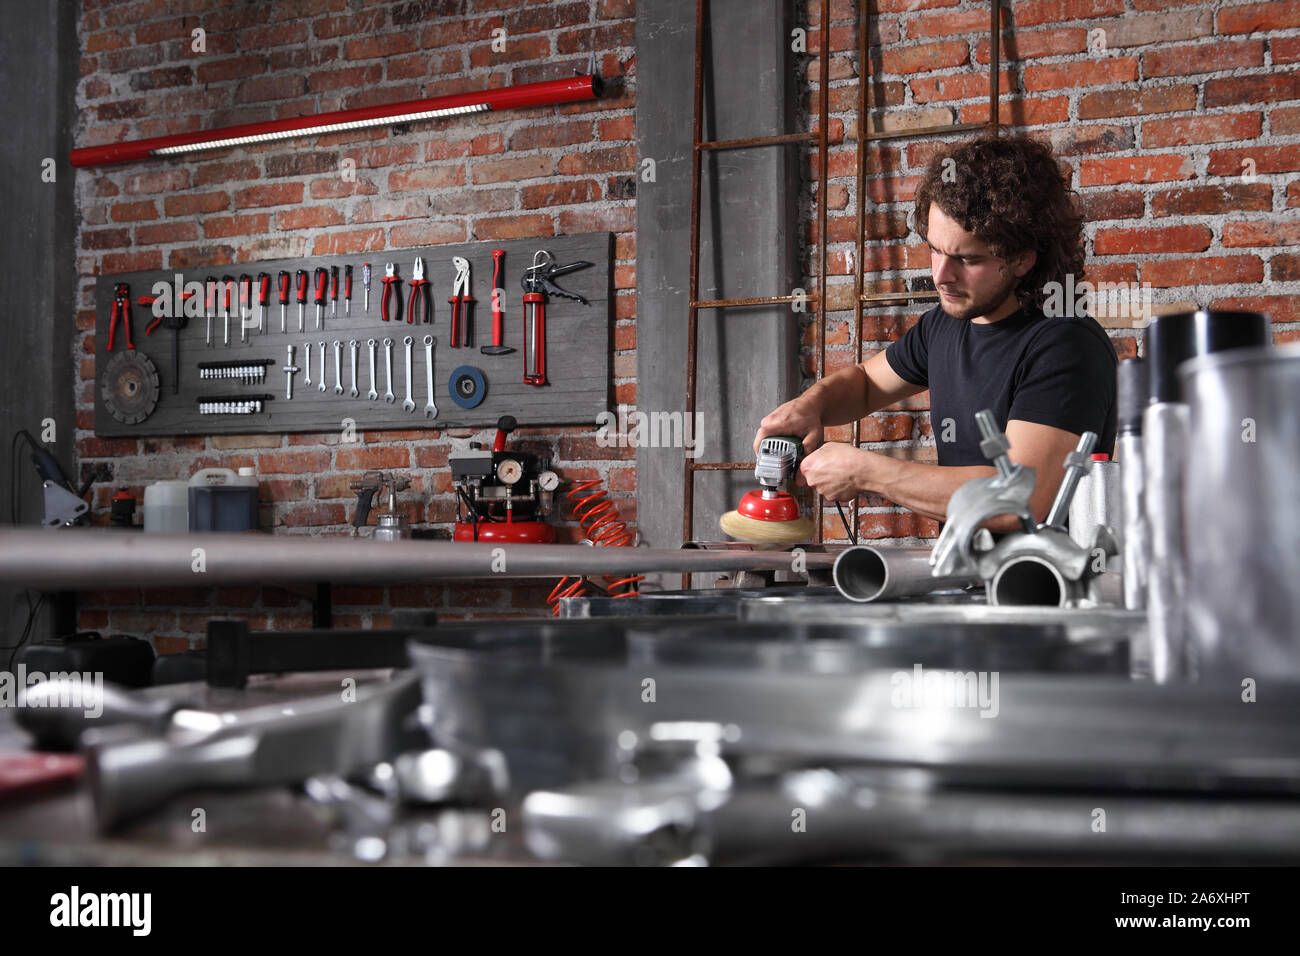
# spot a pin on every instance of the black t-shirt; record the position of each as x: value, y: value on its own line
x: 1050, y: 371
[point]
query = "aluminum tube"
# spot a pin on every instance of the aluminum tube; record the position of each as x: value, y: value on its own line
x: 1243, y: 509
x: 864, y: 573
x: 1164, y: 454
x: 1030, y: 582
x: 1135, y: 543
x: 82, y: 559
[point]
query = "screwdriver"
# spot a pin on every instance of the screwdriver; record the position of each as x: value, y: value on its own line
x: 365, y: 281
x: 229, y: 283
x: 334, y: 290
x: 245, y: 302
x: 263, y: 296
x: 210, y: 303
x: 319, y: 299
x: 302, y: 294
x: 284, y: 295
x: 347, y: 290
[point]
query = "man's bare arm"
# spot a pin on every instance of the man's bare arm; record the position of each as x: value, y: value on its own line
x: 838, y: 399
x: 838, y: 471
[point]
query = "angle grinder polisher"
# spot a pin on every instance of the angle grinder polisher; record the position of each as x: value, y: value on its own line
x: 769, y: 515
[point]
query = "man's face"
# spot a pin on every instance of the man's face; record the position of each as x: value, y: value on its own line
x: 972, y: 282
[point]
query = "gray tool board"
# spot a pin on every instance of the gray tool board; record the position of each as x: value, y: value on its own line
x: 577, y: 345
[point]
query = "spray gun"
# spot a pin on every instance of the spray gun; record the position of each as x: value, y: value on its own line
x: 390, y: 525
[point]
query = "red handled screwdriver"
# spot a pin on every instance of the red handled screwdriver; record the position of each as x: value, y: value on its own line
x: 284, y: 295
x: 334, y: 290
x: 347, y: 290
x: 321, y: 278
x: 263, y: 297
x: 302, y: 294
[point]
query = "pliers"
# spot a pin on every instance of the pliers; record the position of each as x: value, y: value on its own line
x: 391, y: 282
x: 460, y: 301
x: 121, y: 310
x: 418, y: 290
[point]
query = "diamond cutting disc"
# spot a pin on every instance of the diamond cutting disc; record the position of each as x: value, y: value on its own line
x: 468, y: 387
x: 130, y: 387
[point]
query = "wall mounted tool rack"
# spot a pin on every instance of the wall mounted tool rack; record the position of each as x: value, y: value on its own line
x: 577, y: 346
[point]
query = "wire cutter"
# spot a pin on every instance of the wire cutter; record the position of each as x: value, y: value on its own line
x: 419, y: 288
x: 461, y: 301
x: 121, y: 310
x: 391, y: 282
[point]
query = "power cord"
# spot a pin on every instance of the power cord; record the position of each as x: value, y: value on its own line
x: 847, y: 530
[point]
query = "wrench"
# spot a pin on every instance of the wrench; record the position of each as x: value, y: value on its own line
x: 306, y: 362
x: 389, y: 397
x: 321, y: 386
x: 354, y: 345
x: 430, y: 409
x: 338, y: 367
x: 409, y: 403
x: 372, y: 394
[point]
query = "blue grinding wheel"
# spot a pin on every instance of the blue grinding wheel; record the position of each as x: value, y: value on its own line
x: 467, y: 386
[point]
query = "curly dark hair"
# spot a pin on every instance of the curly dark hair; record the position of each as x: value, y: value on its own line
x: 1009, y: 193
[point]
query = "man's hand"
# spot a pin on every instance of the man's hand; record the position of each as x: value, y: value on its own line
x: 798, y: 417
x: 836, y: 471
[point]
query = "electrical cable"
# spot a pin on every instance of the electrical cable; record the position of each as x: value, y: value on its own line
x: 847, y: 530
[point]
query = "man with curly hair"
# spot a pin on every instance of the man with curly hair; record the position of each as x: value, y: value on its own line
x: 998, y: 218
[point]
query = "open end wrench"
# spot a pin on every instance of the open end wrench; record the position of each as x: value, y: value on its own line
x: 321, y: 386
x: 338, y: 367
x: 353, y: 344
x: 389, y: 397
x: 408, y: 404
x: 372, y: 394
x: 306, y: 362
x: 430, y: 408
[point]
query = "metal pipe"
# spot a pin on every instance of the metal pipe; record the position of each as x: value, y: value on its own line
x: 84, y: 559
x: 1028, y: 582
x: 1164, y: 454
x: 863, y: 573
x: 1131, y: 396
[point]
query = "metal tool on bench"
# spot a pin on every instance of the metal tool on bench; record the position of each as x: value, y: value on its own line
x: 64, y: 505
x: 246, y: 371
x: 391, y: 525
x: 121, y: 309
x: 318, y: 295
x: 389, y: 397
x: 232, y: 404
x: 419, y: 301
x: 353, y: 345
x: 373, y: 394
x: 391, y: 284
x: 132, y: 769
x: 461, y: 305
x: 770, y: 515
x: 537, y: 284
x: 306, y: 363
x: 1039, y: 565
x: 338, y: 366
x: 408, y: 404
x: 321, y: 386
x: 498, y: 308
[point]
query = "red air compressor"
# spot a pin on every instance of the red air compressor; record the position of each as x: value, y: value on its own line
x: 501, y: 495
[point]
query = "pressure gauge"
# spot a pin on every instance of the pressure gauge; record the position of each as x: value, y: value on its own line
x: 509, y: 471
x: 548, y: 481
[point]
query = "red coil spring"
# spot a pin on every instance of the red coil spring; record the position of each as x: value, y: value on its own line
x: 599, y: 520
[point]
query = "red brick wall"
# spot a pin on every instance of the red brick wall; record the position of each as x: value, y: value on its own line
x: 1154, y: 129
x: 536, y: 173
